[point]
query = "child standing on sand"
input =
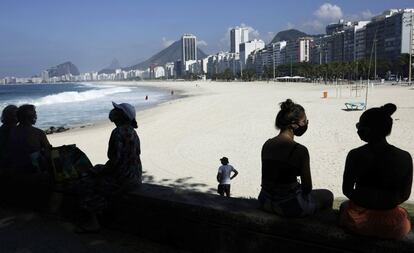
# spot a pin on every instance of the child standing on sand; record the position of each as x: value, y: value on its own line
x: 224, y: 177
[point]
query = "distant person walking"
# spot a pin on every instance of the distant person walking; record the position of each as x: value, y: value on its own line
x: 224, y: 177
x: 377, y: 179
x: 283, y: 161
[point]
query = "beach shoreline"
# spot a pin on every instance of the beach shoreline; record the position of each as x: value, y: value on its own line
x: 183, y: 139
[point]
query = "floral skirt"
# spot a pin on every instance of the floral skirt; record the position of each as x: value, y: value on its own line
x: 385, y: 224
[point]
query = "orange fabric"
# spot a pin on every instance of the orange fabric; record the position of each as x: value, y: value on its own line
x: 386, y: 224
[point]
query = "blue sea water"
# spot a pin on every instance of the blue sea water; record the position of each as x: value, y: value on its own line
x: 78, y: 104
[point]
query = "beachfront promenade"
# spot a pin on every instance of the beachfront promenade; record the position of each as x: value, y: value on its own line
x: 163, y: 219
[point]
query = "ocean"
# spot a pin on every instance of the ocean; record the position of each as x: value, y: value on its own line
x: 78, y: 104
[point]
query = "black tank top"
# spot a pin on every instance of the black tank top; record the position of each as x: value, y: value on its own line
x: 278, y: 172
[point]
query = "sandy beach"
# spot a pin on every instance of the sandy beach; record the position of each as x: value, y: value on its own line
x: 183, y: 139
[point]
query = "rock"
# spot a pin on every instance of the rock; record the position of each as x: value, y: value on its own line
x: 53, y: 129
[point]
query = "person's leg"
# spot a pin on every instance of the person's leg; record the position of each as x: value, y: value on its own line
x: 343, y: 217
x: 220, y: 190
x: 323, y: 198
x: 343, y: 206
x: 227, y: 190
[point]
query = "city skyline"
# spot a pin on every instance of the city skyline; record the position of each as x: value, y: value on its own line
x: 37, y: 36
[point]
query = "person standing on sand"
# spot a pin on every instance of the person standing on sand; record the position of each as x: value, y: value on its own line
x: 283, y: 161
x: 224, y: 177
x: 377, y: 179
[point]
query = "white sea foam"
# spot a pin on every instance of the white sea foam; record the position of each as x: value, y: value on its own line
x: 74, y: 96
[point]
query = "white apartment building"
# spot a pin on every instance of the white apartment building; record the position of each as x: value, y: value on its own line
x: 169, y: 70
x: 274, y: 53
x: 159, y: 72
x: 248, y: 47
x: 238, y: 35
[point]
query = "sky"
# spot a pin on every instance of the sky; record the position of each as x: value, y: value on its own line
x: 36, y: 35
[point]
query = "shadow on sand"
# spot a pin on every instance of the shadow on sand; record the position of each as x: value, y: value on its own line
x: 180, y: 183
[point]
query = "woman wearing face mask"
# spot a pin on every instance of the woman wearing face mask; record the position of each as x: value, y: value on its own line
x: 283, y: 161
x: 377, y: 179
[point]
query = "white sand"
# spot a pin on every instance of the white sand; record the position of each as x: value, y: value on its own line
x: 182, y: 140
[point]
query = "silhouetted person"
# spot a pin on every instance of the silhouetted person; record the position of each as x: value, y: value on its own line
x: 122, y: 172
x: 27, y: 185
x: 377, y: 179
x: 9, y: 121
x: 27, y: 140
x: 283, y: 161
x: 224, y: 176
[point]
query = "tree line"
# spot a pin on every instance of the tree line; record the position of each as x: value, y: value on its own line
x: 352, y: 70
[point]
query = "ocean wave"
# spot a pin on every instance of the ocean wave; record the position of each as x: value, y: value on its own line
x: 74, y: 96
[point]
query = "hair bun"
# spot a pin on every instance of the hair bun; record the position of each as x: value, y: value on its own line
x: 389, y: 108
x: 287, y: 105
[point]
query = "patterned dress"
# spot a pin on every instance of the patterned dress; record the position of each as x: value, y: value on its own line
x: 122, y: 172
x: 124, y: 150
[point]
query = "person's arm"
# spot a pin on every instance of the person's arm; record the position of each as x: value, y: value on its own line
x: 219, y: 175
x: 114, y: 147
x: 305, y: 175
x: 349, y: 176
x: 408, y: 180
x: 45, y: 151
x: 235, y: 173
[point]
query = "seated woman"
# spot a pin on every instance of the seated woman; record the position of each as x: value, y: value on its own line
x: 27, y: 184
x: 26, y: 140
x: 283, y: 161
x: 122, y: 172
x: 9, y: 120
x: 377, y: 179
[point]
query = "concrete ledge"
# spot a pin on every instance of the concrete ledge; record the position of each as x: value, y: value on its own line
x: 209, y: 223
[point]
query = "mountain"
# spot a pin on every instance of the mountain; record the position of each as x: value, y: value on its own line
x: 288, y: 35
x: 63, y: 69
x: 169, y: 54
x: 111, y: 68
x: 114, y: 64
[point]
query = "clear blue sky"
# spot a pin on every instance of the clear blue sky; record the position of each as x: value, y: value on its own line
x: 35, y: 35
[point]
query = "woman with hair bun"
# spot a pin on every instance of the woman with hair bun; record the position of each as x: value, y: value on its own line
x: 283, y: 161
x: 377, y: 179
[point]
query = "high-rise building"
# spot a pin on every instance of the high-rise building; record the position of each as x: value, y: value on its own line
x: 45, y: 76
x: 336, y: 27
x: 388, y: 34
x: 238, y: 35
x: 299, y: 50
x: 247, y: 47
x: 350, y: 40
x: 188, y: 48
x: 360, y: 43
x: 274, y: 57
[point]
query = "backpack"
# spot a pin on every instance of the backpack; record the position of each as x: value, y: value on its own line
x: 69, y: 163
